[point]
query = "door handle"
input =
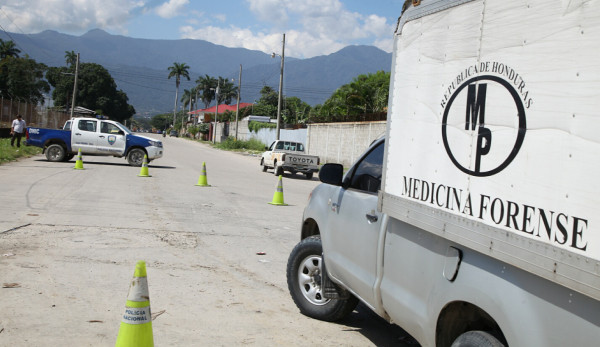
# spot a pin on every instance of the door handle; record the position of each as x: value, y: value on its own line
x: 101, y: 136
x: 78, y: 134
x: 372, y: 218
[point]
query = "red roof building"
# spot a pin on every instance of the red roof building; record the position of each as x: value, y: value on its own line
x: 222, y: 108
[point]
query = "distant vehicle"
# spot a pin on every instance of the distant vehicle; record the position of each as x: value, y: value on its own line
x: 174, y: 133
x: 94, y: 137
x: 289, y: 156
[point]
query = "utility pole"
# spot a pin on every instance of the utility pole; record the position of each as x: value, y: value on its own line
x: 75, y: 87
x: 237, y: 109
x: 216, y: 111
x: 279, y: 100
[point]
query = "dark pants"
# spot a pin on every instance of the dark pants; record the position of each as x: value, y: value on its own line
x: 17, y: 136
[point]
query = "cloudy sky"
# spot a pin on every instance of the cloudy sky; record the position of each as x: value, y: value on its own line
x: 312, y: 27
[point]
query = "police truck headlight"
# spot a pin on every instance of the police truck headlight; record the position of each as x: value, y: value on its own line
x: 155, y: 143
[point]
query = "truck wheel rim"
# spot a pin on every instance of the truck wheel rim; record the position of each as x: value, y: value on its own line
x: 53, y: 153
x: 309, y: 280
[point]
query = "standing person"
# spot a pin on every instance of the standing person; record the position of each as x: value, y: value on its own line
x: 16, y: 131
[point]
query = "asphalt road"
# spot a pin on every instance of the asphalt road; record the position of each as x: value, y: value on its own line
x: 70, y: 239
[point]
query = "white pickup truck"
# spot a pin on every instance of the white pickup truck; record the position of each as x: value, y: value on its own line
x: 473, y: 221
x: 101, y: 137
x: 289, y: 156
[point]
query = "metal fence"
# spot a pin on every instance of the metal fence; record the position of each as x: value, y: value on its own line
x: 33, y: 115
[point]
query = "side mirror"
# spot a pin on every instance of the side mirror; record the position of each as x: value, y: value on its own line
x: 266, y: 148
x: 332, y: 174
x: 121, y: 132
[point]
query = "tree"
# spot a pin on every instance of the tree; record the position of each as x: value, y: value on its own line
x: 23, y: 79
x: 366, y: 94
x: 177, y: 70
x: 96, y: 90
x: 296, y: 111
x: 188, y: 97
x: 161, y: 121
x: 70, y: 58
x: 206, y: 85
x: 8, y: 49
x: 227, y: 91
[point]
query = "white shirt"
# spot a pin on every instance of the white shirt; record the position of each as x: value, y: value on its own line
x: 18, y: 126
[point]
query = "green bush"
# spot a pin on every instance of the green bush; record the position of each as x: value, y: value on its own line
x: 250, y: 145
x: 8, y: 153
x: 256, y: 126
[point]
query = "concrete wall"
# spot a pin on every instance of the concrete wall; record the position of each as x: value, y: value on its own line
x: 333, y: 142
x: 342, y: 142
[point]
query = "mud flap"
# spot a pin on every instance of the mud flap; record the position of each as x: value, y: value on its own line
x: 329, y: 289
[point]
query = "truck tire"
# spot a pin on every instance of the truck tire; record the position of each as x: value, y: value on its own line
x: 135, y: 157
x: 55, y: 152
x: 304, y: 283
x: 277, y: 171
x: 262, y: 163
x: 309, y: 175
x: 477, y: 338
x: 69, y: 157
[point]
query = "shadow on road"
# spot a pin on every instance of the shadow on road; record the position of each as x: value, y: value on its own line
x: 376, y: 329
x: 71, y: 162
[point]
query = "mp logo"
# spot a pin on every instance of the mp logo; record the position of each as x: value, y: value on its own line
x: 490, y: 112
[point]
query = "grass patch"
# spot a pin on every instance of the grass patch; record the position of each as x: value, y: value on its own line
x: 8, y: 153
x: 252, y: 145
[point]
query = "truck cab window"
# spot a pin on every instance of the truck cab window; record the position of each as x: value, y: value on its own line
x: 367, y: 175
x: 109, y: 128
x: 87, y: 125
x: 279, y: 145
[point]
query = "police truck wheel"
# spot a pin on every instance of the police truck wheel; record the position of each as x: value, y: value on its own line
x: 55, y: 152
x: 309, y: 175
x: 69, y: 157
x: 136, y: 157
x: 262, y: 163
x: 477, y: 339
x: 304, y: 283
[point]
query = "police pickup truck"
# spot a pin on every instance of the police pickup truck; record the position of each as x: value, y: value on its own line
x: 289, y: 156
x: 94, y: 137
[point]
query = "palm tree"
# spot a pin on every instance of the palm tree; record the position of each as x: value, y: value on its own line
x: 227, y: 91
x: 188, y: 98
x: 70, y: 58
x: 206, y: 85
x: 8, y: 49
x: 178, y: 70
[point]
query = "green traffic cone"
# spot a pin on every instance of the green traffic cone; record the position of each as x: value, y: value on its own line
x: 202, y: 181
x: 79, y: 161
x: 278, y: 196
x: 144, y: 169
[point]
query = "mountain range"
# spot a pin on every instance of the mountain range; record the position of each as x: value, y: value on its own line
x: 140, y: 66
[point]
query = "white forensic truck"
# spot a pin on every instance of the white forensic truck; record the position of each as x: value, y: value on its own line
x: 474, y: 221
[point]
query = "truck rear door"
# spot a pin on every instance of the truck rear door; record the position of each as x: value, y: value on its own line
x: 85, y: 136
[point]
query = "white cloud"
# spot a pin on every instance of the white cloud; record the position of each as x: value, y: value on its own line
x: 313, y: 27
x: 172, y: 8
x: 68, y: 15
